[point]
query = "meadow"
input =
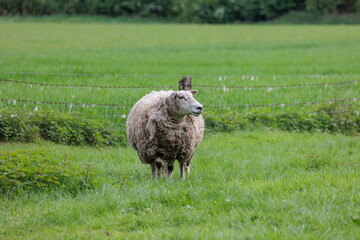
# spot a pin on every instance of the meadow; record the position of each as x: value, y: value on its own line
x: 256, y: 185
x: 157, y: 55
x: 261, y: 184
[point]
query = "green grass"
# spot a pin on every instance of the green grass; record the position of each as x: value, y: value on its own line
x: 242, y: 185
x: 205, y: 51
x: 257, y: 185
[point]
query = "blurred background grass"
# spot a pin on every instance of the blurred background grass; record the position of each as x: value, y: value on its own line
x: 157, y: 55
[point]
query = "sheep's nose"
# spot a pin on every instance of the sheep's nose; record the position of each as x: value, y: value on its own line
x: 199, y: 108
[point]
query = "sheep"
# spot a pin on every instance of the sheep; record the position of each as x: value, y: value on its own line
x: 164, y: 126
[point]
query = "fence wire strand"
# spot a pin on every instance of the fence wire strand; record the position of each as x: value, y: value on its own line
x: 82, y: 85
x: 14, y: 101
x: 179, y: 75
x: 270, y: 87
x: 237, y: 114
x: 222, y: 81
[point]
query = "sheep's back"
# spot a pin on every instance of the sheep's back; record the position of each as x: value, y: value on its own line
x: 137, y: 132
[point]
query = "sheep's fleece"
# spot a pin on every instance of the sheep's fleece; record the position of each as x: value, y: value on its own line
x: 166, y: 126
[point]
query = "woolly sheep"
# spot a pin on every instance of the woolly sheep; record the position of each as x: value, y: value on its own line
x: 165, y: 126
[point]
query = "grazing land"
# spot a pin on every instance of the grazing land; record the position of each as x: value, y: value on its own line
x: 243, y: 185
x: 254, y: 53
x: 260, y: 184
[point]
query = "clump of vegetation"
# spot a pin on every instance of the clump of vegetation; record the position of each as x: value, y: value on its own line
x: 315, y: 161
x: 215, y: 11
x: 19, y: 126
x: 335, y: 119
x: 36, y: 170
x: 16, y: 128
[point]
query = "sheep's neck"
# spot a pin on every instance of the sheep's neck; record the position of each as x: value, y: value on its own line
x: 176, y: 118
x: 173, y: 117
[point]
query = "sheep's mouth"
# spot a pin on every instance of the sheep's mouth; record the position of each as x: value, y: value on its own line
x: 196, y: 113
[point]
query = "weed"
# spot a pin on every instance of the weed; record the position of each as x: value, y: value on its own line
x: 315, y: 161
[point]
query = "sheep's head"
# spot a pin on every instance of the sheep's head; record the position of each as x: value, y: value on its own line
x: 185, y: 103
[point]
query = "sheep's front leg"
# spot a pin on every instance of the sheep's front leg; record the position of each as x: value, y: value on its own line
x: 187, y: 167
x: 169, y: 169
x: 187, y: 164
x: 182, y: 169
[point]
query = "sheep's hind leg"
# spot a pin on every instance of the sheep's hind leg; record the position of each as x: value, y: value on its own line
x: 159, y: 167
x: 153, y: 170
x: 187, y: 164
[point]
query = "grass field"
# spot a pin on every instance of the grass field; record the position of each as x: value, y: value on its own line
x: 254, y: 185
x: 242, y: 185
x: 255, y: 53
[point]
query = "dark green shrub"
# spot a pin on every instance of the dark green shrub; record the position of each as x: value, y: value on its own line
x: 57, y: 127
x: 271, y: 9
x: 37, y: 170
x: 16, y: 127
x: 224, y: 123
x: 332, y: 119
x: 206, y: 11
x: 74, y: 130
x: 332, y: 6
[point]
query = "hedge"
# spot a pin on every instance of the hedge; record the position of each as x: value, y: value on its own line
x: 330, y: 119
x: 202, y: 11
x: 19, y: 126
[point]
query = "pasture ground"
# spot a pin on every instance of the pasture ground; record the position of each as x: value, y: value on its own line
x: 262, y: 185
x: 157, y: 55
x: 255, y: 185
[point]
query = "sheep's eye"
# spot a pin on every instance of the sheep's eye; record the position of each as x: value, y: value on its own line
x: 182, y: 97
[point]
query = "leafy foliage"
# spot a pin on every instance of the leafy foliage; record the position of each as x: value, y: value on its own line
x: 73, y: 130
x: 209, y: 11
x: 333, y: 6
x: 60, y: 128
x: 16, y: 128
x: 36, y: 170
x: 331, y: 119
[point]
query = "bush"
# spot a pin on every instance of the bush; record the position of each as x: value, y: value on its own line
x: 74, y: 130
x: 332, y: 6
x: 67, y: 129
x: 206, y: 11
x: 36, y: 170
x: 15, y: 127
x: 59, y: 128
x: 331, y: 119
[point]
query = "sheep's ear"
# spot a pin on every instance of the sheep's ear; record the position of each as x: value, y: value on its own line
x: 194, y: 92
x: 173, y: 95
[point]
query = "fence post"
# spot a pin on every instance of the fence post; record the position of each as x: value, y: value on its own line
x: 185, y: 83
